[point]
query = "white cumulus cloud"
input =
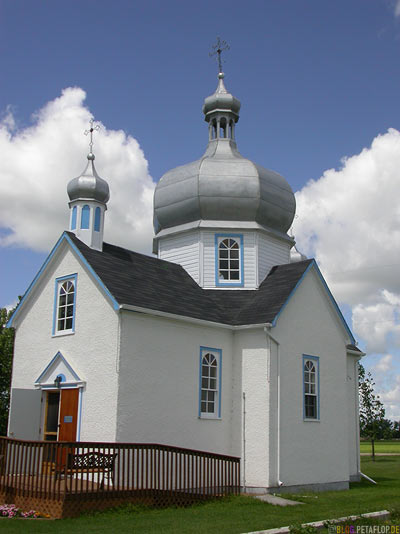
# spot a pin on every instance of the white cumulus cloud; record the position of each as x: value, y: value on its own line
x: 397, y: 8
x: 391, y: 400
x: 385, y: 364
x: 38, y: 161
x: 375, y: 323
x: 349, y: 220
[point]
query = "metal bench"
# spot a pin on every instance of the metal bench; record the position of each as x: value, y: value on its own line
x: 90, y: 462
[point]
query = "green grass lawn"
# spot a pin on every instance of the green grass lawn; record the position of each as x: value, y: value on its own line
x: 237, y: 514
x: 381, y: 446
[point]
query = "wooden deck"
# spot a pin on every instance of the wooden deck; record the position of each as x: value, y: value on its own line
x: 38, y: 475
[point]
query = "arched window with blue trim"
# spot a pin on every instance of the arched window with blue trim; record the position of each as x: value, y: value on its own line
x: 73, y: 218
x: 85, y: 217
x: 228, y: 260
x: 65, y: 305
x: 210, y: 383
x: 97, y: 217
x: 311, y: 387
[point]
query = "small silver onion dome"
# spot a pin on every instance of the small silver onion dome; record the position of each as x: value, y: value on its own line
x: 221, y: 101
x: 296, y: 255
x: 89, y: 185
x: 223, y: 185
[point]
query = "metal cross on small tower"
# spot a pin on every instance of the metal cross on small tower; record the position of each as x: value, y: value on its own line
x: 90, y: 131
x: 218, y: 48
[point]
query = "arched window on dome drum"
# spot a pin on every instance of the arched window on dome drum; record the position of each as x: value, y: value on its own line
x: 214, y: 129
x: 222, y: 132
x: 97, y: 217
x: 311, y: 387
x: 229, y: 261
x: 85, y: 217
x: 73, y: 218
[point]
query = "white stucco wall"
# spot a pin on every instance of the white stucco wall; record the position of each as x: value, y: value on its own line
x: 353, y: 431
x: 159, y: 384
x: 147, y: 389
x: 312, y: 452
x: 251, y: 346
x: 91, y: 350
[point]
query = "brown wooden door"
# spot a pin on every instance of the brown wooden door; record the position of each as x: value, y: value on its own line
x: 68, y: 414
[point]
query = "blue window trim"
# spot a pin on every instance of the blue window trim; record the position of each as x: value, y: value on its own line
x: 85, y: 217
x: 218, y: 352
x: 316, y: 360
x: 73, y: 277
x: 229, y: 284
x: 97, y: 219
x: 73, y: 218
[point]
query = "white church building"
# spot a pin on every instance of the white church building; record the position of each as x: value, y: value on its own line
x: 227, y: 340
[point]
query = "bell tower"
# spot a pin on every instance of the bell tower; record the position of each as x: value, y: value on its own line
x: 88, y: 194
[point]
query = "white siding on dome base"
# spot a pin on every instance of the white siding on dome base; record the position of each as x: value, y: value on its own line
x: 195, y: 250
x: 183, y: 249
x: 271, y: 252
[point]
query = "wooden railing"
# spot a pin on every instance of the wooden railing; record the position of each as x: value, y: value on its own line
x: 53, y: 470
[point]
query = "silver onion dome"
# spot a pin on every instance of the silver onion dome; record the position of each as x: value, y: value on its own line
x: 89, y: 185
x: 221, y: 101
x: 223, y: 185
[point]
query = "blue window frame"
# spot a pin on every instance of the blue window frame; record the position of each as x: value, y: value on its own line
x: 73, y: 218
x: 229, y: 264
x: 210, y: 383
x: 85, y: 217
x: 311, y: 392
x: 64, y: 305
x: 97, y: 217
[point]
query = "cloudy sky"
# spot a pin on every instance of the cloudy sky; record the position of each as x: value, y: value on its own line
x: 319, y: 84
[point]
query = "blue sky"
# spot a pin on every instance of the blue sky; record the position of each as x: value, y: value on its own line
x: 318, y: 81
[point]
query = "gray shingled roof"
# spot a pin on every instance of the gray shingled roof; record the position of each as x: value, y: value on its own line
x: 148, y: 282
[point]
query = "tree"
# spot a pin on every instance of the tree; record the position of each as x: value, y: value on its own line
x: 6, y: 356
x: 372, y: 412
x: 396, y: 430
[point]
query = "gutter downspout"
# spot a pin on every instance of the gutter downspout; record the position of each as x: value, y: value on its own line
x: 368, y: 478
x: 267, y: 330
x: 244, y: 441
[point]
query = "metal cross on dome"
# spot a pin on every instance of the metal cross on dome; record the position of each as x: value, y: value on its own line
x: 218, y: 48
x: 90, y: 131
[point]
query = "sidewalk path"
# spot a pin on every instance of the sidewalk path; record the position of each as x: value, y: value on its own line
x: 380, y: 454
